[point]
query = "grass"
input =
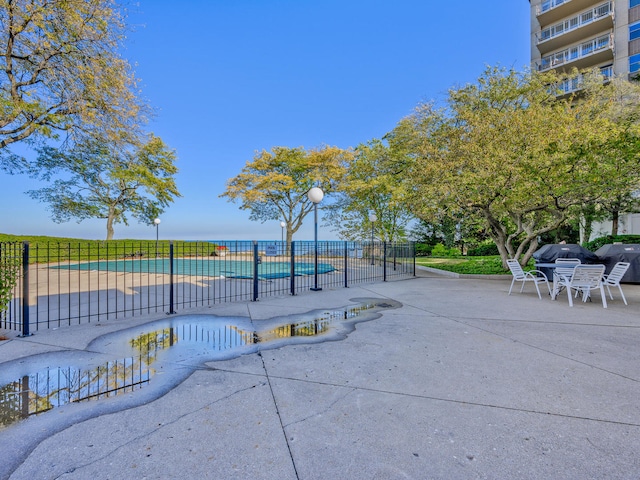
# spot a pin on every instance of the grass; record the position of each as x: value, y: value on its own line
x: 489, y: 265
x: 52, y: 249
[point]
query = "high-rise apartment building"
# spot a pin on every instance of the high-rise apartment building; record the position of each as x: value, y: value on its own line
x: 567, y: 34
x: 582, y: 34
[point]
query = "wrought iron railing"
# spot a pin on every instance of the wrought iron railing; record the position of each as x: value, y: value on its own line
x: 63, y: 284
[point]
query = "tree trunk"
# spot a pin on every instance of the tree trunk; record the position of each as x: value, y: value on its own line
x: 110, y: 226
x: 615, y: 220
x: 586, y: 227
x: 288, y: 240
x: 531, y: 249
x: 496, y: 233
x: 502, y: 249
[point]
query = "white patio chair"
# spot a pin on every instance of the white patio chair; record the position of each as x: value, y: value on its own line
x: 584, y: 279
x: 567, y: 263
x: 614, y: 277
x: 521, y: 276
x: 562, y: 273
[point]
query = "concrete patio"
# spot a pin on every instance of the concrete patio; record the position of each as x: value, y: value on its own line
x: 461, y: 382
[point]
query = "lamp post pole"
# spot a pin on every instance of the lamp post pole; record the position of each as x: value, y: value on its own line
x: 156, y: 222
x: 372, y: 218
x: 282, y: 225
x: 315, y: 195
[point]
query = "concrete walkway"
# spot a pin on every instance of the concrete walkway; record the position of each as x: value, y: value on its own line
x: 461, y: 382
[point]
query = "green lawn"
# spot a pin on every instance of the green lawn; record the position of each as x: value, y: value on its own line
x: 52, y: 249
x: 490, y: 265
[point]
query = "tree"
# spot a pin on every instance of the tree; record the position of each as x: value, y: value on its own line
x: 508, y: 151
x: 100, y: 180
x: 60, y: 71
x: 10, y: 257
x: 619, y: 153
x: 371, y: 184
x: 275, y: 184
x: 451, y: 232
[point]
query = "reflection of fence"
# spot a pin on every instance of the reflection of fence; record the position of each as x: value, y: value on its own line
x: 54, y: 387
x: 64, y: 284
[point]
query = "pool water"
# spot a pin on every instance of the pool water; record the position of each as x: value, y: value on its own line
x: 201, y: 267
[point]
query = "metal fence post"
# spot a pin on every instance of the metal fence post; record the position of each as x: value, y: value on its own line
x: 413, y: 254
x: 346, y: 265
x: 25, y: 290
x: 171, y: 299
x: 395, y: 249
x: 293, y: 269
x: 384, y: 261
x: 256, y: 262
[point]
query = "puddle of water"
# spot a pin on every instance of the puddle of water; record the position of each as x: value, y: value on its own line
x: 42, y: 391
x: 189, y: 337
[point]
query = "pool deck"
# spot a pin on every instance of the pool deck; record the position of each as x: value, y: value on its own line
x: 461, y: 382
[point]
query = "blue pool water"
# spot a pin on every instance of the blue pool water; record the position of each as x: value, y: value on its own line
x: 201, y: 267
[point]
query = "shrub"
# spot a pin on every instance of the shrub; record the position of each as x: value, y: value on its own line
x: 483, y: 250
x: 9, y: 270
x: 423, y: 249
x: 595, y: 244
x: 439, y: 250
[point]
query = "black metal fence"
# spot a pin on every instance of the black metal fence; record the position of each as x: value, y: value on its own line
x: 62, y: 284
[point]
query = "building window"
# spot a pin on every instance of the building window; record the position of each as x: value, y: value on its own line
x: 607, y: 72
x: 634, y: 63
x: 634, y: 30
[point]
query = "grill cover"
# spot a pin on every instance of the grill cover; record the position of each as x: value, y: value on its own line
x: 611, y: 254
x: 548, y: 254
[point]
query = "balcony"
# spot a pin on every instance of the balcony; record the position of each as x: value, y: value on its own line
x: 584, y: 25
x: 575, y: 84
x: 586, y: 54
x: 551, y: 11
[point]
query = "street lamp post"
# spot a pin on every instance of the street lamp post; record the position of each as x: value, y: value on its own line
x: 372, y: 218
x: 282, y: 225
x: 315, y: 195
x: 156, y: 222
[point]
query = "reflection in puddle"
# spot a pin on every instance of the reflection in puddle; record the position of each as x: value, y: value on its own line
x: 53, y: 387
x: 231, y: 337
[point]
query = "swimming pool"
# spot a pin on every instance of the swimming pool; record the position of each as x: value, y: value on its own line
x: 201, y: 267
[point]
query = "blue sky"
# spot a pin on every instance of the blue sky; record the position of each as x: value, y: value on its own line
x: 228, y: 78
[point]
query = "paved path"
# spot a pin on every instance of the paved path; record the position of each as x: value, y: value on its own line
x: 461, y: 382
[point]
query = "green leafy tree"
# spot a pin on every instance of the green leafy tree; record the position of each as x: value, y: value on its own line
x: 100, y: 180
x: 619, y: 152
x: 447, y: 230
x: 274, y: 184
x: 60, y: 71
x: 9, y: 271
x: 507, y: 151
x: 371, y: 185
